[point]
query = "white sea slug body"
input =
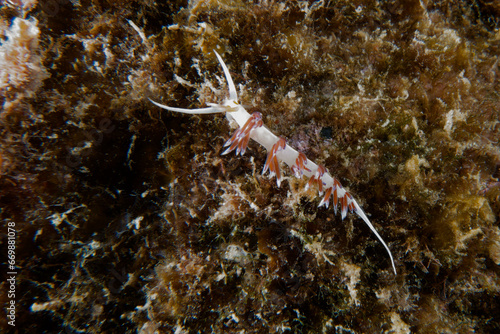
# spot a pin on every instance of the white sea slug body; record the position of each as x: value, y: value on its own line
x: 251, y: 126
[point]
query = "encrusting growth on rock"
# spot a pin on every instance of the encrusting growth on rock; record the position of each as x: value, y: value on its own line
x: 251, y: 126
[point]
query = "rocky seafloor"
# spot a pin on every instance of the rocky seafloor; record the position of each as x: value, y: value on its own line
x: 128, y: 219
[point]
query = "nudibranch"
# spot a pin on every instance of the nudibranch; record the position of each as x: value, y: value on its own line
x: 252, y: 127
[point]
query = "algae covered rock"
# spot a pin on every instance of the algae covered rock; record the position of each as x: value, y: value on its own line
x: 128, y: 219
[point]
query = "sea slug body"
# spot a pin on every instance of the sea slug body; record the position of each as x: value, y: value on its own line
x: 252, y: 126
